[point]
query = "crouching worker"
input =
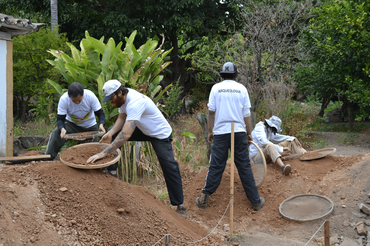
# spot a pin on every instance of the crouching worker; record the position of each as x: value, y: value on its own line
x: 140, y: 120
x: 229, y: 103
x: 76, y: 113
x: 274, y: 145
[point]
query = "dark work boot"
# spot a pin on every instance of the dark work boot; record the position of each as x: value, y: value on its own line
x: 202, y: 201
x: 258, y: 206
x: 181, y: 210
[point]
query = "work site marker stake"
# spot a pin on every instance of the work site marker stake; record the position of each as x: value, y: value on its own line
x: 327, y: 233
x: 315, y: 234
x: 232, y: 182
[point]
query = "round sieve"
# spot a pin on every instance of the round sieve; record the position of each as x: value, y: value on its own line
x: 258, y: 164
x: 92, y: 165
x: 306, y: 207
x: 317, y: 154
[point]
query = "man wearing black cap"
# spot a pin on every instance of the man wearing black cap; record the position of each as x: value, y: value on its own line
x: 140, y: 120
x: 229, y: 103
x: 76, y: 113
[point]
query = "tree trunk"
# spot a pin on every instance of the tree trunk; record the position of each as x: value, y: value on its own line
x: 325, y: 102
x: 179, y: 73
x: 350, y: 115
x: 202, y: 119
x: 24, y: 110
x: 54, y: 15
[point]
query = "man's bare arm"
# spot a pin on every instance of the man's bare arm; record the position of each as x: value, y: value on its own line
x: 248, y: 124
x: 211, y: 121
x: 122, y: 137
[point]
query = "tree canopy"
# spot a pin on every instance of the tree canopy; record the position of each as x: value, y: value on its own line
x: 339, y: 60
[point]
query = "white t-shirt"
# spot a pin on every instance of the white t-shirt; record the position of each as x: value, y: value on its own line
x: 261, y: 136
x: 230, y: 100
x: 81, y: 114
x: 150, y: 120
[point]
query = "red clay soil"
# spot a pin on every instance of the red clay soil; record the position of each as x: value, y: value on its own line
x: 307, y: 177
x: 30, y: 153
x: 79, y: 154
x: 49, y: 203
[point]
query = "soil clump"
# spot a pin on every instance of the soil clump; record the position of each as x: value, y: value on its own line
x: 79, y: 154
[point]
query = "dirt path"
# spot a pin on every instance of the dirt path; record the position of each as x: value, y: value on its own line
x: 49, y: 203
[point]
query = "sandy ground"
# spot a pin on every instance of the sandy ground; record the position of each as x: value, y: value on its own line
x: 49, y: 203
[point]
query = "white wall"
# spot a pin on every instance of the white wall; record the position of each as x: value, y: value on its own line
x: 3, y: 118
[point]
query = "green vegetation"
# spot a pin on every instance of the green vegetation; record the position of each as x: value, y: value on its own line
x: 338, y: 63
x: 98, y: 62
x: 31, y: 72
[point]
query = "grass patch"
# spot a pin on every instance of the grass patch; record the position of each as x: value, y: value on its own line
x: 38, y: 127
x: 343, y: 127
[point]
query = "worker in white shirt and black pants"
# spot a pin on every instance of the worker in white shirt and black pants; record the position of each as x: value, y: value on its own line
x: 229, y: 103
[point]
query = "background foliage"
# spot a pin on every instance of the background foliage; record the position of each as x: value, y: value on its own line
x: 32, y: 94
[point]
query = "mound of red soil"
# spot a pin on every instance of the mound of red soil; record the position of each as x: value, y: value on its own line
x: 49, y: 203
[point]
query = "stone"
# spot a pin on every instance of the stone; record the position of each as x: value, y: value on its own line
x: 364, y: 208
x: 63, y: 189
x: 333, y: 240
x: 120, y: 210
x: 18, y: 148
x: 346, y: 223
x: 30, y: 142
x: 361, y: 229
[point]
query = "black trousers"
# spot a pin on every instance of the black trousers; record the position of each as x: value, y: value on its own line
x: 220, y: 148
x: 170, y: 167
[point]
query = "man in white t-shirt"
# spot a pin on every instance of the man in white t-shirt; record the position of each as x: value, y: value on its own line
x: 76, y: 113
x: 274, y: 145
x: 140, y: 120
x: 229, y: 103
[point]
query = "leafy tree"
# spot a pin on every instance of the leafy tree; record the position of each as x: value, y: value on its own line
x: 180, y: 21
x: 338, y: 39
x: 264, y: 49
x: 31, y: 71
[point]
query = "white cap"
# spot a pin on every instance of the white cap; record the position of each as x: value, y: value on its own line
x: 274, y: 121
x: 109, y: 88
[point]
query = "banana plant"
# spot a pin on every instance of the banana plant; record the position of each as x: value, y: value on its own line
x: 98, y: 62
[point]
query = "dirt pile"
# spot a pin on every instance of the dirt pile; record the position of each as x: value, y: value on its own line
x: 49, y: 203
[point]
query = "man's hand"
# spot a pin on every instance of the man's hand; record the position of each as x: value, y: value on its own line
x: 286, y: 151
x: 210, y: 137
x: 96, y: 157
x: 107, y: 138
x: 62, y: 133
x: 101, y: 128
x: 297, y: 142
x: 249, y: 137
